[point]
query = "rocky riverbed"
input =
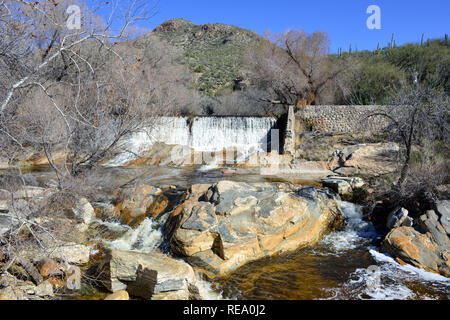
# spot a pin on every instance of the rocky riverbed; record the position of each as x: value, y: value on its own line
x: 228, y: 233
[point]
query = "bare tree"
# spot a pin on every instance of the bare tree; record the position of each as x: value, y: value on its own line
x: 70, y: 89
x: 419, y: 121
x: 293, y: 67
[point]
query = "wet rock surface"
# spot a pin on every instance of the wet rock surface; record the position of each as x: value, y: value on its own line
x: 425, y: 244
x: 343, y: 185
x: 216, y: 228
x: 140, y: 201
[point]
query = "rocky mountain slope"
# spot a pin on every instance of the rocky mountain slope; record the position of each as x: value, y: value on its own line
x: 214, y: 52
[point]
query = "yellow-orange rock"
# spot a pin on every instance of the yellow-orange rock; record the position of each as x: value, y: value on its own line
x: 118, y: 295
x: 419, y: 249
x: 138, y: 202
x: 57, y: 157
x: 223, y: 226
x: 47, y: 266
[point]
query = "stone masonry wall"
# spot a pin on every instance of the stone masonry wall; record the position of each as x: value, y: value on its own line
x: 343, y: 119
x: 289, y: 139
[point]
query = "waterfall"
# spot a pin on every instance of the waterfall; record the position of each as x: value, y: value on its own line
x: 170, y: 130
x: 217, y: 133
x: 246, y: 134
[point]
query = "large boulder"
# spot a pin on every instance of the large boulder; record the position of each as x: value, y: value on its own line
x: 85, y: 212
x: 4, y: 206
x: 220, y: 227
x: 398, y: 218
x: 4, y: 163
x: 418, y: 249
x: 71, y: 253
x: 5, y: 224
x: 139, y: 201
x: 47, y: 266
x: 443, y: 209
x: 44, y: 289
x: 42, y: 160
x: 13, y: 214
x: 367, y: 159
x: 302, y: 170
x: 343, y: 185
x: 430, y: 223
x: 149, y: 275
x: 16, y: 289
x: 426, y: 246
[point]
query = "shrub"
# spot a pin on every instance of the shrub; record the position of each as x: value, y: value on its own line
x: 375, y: 81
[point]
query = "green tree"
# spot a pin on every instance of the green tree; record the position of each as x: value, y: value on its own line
x: 374, y: 81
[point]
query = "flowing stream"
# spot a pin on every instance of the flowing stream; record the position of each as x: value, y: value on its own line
x: 146, y: 238
x: 338, y: 267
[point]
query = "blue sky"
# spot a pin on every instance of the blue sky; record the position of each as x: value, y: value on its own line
x: 344, y: 20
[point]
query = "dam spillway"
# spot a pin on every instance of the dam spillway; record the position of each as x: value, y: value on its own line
x: 205, y: 134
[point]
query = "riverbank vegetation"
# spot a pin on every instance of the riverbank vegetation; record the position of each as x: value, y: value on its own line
x: 76, y: 95
x: 72, y: 99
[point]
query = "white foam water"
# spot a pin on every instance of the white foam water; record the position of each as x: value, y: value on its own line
x: 207, y: 134
x: 356, y: 231
x: 393, y: 277
x: 145, y: 238
x: 218, y: 133
x: 114, y: 226
x: 357, y: 288
x: 410, y: 269
x: 393, y: 282
x: 207, y: 292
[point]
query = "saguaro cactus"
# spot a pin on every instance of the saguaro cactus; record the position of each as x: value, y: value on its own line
x: 378, y: 48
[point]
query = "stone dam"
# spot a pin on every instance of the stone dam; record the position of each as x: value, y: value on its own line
x: 251, y: 135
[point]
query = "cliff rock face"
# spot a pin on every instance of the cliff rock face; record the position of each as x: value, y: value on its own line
x: 220, y: 227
